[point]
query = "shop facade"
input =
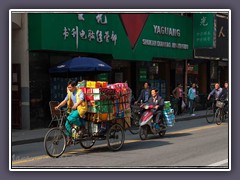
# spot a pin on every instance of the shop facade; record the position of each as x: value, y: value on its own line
x: 139, y: 47
x: 215, y: 54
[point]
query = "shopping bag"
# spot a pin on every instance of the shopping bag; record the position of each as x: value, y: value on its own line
x: 183, y: 105
x: 82, y: 109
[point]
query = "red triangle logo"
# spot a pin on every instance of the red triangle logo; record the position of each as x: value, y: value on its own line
x: 133, y: 24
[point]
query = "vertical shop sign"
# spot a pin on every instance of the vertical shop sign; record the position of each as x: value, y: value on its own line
x: 102, y: 77
x: 204, y: 30
x: 222, y: 45
x: 142, y: 74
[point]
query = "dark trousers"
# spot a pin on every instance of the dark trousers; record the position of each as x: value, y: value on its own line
x: 157, y: 116
x: 179, y: 106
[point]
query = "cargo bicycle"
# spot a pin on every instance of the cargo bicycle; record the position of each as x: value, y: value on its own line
x: 112, y: 130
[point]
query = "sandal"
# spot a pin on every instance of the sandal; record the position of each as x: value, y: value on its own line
x: 69, y: 141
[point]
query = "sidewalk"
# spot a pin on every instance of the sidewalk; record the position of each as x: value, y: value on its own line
x: 37, y: 135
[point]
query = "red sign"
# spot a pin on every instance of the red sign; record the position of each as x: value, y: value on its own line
x: 133, y: 24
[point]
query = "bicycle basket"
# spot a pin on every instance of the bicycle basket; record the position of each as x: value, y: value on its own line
x: 220, y: 104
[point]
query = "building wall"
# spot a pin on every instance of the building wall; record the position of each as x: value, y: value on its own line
x: 20, y: 56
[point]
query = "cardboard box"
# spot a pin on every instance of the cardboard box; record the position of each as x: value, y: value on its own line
x: 101, y: 84
x: 91, y: 84
x: 96, y: 91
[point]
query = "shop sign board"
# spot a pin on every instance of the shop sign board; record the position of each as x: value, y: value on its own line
x: 221, y: 51
x: 165, y: 36
x: 162, y: 35
x: 192, y: 69
x: 204, y: 30
x: 143, y: 74
x: 79, y: 32
x: 102, y: 77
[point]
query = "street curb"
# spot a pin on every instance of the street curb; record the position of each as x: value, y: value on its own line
x: 28, y: 141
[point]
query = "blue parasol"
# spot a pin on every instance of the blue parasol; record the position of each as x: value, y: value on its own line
x: 81, y: 64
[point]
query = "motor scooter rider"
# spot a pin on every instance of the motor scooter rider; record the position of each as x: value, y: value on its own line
x: 158, y: 102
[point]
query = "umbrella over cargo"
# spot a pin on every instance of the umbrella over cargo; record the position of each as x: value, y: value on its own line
x: 81, y: 64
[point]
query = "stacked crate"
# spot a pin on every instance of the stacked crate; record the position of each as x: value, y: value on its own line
x: 107, y: 102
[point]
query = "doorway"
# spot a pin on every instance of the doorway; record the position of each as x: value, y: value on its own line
x: 16, y: 96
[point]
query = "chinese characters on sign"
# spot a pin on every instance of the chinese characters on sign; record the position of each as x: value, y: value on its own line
x: 204, y: 30
x: 89, y: 34
x: 206, y: 35
x: 203, y: 36
x: 203, y: 21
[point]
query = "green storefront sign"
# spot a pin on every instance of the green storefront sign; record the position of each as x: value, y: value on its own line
x: 165, y: 36
x: 88, y: 33
x: 204, y: 30
x: 162, y: 36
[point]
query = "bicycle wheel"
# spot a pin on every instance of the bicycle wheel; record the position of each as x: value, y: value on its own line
x: 87, y: 142
x: 218, y: 116
x: 115, y: 137
x: 162, y: 133
x: 55, y: 142
x: 134, y: 127
x: 225, y: 117
x: 210, y: 115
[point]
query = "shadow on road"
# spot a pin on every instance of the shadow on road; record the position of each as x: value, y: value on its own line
x: 175, y: 135
x: 129, y: 145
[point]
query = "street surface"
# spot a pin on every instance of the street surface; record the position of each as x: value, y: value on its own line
x: 189, y: 144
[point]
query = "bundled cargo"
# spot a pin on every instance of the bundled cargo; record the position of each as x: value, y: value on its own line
x: 91, y: 84
x: 107, y: 94
x: 101, y: 84
x: 168, y: 114
x: 81, y: 84
x: 167, y: 105
x: 107, y: 102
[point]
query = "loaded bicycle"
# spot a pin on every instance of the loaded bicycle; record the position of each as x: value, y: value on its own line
x: 107, y: 120
x: 210, y: 112
x: 216, y: 112
x: 221, y: 113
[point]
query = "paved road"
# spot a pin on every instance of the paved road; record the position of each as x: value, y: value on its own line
x: 189, y: 144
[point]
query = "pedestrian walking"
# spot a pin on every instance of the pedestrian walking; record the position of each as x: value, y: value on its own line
x: 192, y: 94
x: 178, y: 94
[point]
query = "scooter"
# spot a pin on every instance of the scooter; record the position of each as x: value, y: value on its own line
x: 147, y: 125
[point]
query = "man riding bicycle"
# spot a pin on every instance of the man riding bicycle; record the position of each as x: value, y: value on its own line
x: 224, y: 96
x: 215, y: 93
x: 77, y: 108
